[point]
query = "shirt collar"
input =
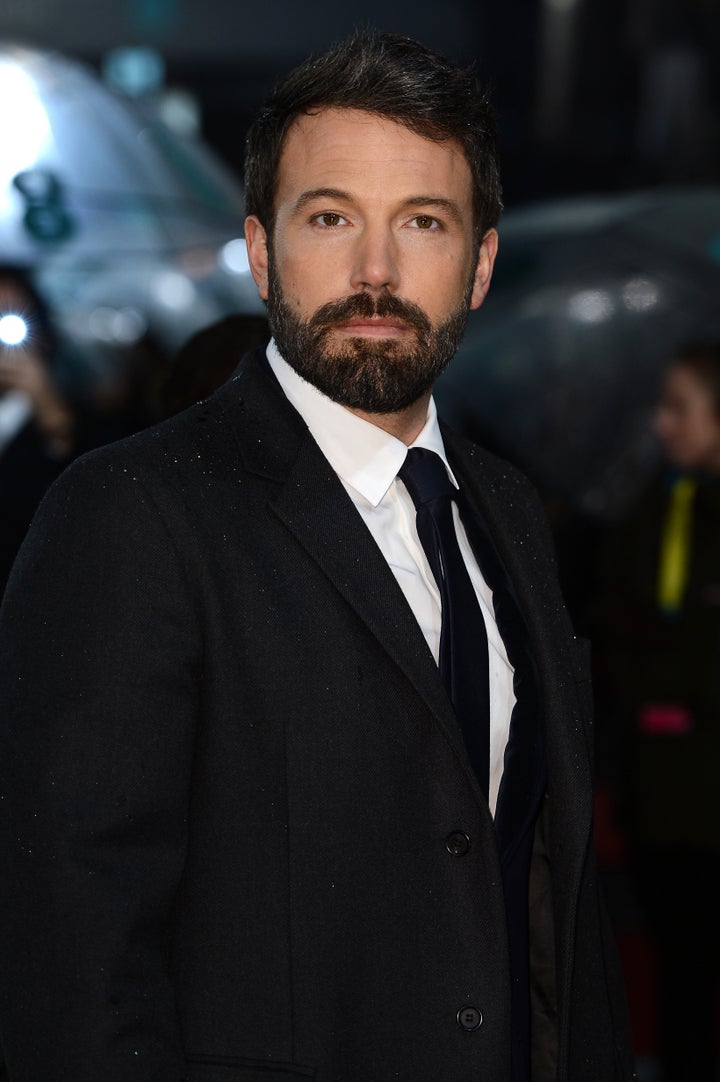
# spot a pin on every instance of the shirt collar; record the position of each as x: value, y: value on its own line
x: 364, y: 456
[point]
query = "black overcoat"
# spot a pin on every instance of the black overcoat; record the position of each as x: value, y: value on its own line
x: 229, y: 770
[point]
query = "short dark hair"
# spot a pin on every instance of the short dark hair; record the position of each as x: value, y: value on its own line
x: 702, y: 358
x: 391, y: 76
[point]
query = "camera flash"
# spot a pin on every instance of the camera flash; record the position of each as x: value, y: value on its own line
x: 13, y: 330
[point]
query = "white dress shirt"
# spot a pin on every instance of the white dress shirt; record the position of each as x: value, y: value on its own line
x: 367, y: 460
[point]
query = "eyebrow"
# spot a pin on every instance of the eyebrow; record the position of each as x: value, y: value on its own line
x: 439, y: 201
x: 321, y: 193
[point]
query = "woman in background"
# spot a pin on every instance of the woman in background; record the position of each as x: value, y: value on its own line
x: 660, y: 644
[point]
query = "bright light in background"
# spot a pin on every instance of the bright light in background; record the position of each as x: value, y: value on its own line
x: 123, y: 326
x: 233, y: 257
x: 640, y: 294
x: 135, y: 71
x: 174, y: 290
x: 13, y: 330
x: 591, y: 306
x: 181, y: 112
x: 24, y: 127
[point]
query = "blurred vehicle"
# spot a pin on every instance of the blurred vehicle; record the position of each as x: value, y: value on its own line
x: 134, y: 230
x: 559, y: 369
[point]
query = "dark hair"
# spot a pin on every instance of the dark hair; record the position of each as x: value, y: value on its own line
x: 703, y: 360
x: 391, y: 76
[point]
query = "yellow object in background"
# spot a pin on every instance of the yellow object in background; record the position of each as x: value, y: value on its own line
x: 674, y: 564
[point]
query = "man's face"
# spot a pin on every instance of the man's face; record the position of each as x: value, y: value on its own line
x: 372, y: 265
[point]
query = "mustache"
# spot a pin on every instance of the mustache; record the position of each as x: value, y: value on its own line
x: 364, y: 305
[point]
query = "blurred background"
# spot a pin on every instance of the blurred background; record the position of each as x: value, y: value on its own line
x: 121, y: 151
x: 121, y: 148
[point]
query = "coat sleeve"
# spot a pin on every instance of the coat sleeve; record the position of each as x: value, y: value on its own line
x: 98, y: 701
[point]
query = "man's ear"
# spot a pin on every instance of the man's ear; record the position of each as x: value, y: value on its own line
x: 257, y: 253
x: 484, y: 268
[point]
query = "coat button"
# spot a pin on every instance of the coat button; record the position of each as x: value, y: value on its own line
x: 457, y: 843
x: 469, y: 1018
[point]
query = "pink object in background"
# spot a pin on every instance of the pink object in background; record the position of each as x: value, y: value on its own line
x: 662, y: 719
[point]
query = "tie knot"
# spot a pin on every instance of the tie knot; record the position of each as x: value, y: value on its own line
x: 424, y: 475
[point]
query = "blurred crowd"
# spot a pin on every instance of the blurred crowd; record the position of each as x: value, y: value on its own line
x: 45, y: 424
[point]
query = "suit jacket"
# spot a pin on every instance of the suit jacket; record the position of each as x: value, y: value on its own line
x: 229, y: 773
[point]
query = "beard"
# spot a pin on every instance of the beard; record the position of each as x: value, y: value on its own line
x: 373, y: 375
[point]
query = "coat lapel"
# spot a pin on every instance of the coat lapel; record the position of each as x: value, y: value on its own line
x: 503, y: 506
x: 312, y: 503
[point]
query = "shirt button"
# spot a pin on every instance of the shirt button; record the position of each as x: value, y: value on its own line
x: 457, y: 843
x: 469, y: 1018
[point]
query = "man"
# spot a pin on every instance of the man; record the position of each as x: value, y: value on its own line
x: 261, y: 822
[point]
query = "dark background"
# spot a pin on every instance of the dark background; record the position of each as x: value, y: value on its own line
x: 593, y: 95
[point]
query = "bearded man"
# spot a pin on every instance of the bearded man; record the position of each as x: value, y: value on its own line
x: 296, y: 739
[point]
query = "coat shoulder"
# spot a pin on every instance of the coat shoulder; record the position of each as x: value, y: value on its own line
x: 503, y: 486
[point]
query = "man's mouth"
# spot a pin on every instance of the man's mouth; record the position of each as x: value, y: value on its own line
x: 372, y: 327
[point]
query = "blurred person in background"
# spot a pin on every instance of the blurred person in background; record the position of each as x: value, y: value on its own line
x: 42, y: 427
x: 659, y: 645
x: 37, y: 424
x: 207, y: 359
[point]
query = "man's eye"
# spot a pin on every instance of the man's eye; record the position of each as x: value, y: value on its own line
x: 330, y: 218
x: 425, y: 221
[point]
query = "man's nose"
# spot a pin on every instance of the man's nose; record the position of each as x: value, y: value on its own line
x: 375, y: 261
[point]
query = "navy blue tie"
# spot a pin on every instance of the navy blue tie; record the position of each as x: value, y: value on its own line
x: 463, y: 640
